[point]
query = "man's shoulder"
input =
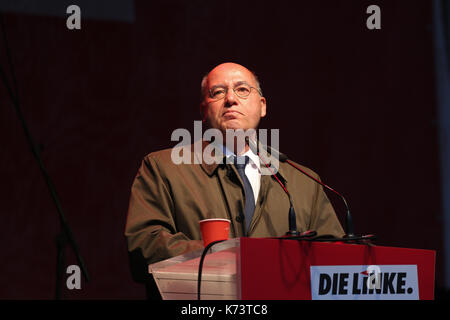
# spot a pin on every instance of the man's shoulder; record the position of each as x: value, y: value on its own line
x: 172, y: 156
x: 159, y: 155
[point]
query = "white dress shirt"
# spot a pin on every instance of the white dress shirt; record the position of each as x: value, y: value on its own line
x: 252, y: 170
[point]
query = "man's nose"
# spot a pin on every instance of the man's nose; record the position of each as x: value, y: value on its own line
x: 230, y: 98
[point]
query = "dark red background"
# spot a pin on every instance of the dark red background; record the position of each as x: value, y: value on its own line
x: 355, y: 105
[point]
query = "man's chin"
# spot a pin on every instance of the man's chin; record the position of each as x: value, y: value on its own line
x: 234, y: 125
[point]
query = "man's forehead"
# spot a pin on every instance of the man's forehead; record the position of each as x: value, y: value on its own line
x: 230, y: 74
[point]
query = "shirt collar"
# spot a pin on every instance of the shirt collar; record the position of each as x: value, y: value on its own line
x: 253, y: 157
x: 210, y: 168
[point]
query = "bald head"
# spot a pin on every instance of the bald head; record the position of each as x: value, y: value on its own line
x: 225, y: 67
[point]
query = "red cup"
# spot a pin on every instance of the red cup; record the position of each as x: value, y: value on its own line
x: 214, y: 230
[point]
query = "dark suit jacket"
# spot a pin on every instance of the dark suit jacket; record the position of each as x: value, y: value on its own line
x: 167, y: 201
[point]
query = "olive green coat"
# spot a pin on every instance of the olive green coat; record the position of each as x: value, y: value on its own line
x: 167, y: 201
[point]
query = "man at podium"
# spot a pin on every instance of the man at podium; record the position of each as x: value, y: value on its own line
x: 168, y: 199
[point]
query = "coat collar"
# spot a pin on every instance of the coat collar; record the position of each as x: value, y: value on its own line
x: 219, y: 158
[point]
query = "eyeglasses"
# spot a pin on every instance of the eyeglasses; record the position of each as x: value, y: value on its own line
x: 242, y: 90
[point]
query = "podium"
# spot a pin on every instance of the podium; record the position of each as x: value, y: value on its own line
x: 282, y: 269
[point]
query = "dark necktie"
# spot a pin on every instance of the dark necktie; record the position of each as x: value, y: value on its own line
x: 249, y: 197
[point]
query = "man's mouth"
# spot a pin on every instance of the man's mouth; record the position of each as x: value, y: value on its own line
x: 231, y: 114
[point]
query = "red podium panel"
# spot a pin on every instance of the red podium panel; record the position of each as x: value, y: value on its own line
x: 273, y: 269
x: 281, y: 269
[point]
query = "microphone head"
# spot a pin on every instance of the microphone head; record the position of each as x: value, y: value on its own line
x: 282, y: 157
x: 275, y: 153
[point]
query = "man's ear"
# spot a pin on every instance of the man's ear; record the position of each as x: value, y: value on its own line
x: 263, y: 107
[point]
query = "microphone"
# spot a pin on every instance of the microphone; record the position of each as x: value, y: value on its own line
x: 349, y: 230
x: 292, y: 216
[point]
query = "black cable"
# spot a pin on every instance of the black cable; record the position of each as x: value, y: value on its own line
x: 200, y: 265
x: 309, y: 235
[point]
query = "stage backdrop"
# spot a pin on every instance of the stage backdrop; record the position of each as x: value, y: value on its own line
x: 355, y: 105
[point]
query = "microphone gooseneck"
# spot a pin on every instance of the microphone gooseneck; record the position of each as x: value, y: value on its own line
x: 348, y: 216
x: 349, y: 230
x: 291, y: 215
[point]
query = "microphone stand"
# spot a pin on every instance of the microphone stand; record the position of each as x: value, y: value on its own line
x: 65, y: 236
x: 349, y: 236
x: 293, y: 232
